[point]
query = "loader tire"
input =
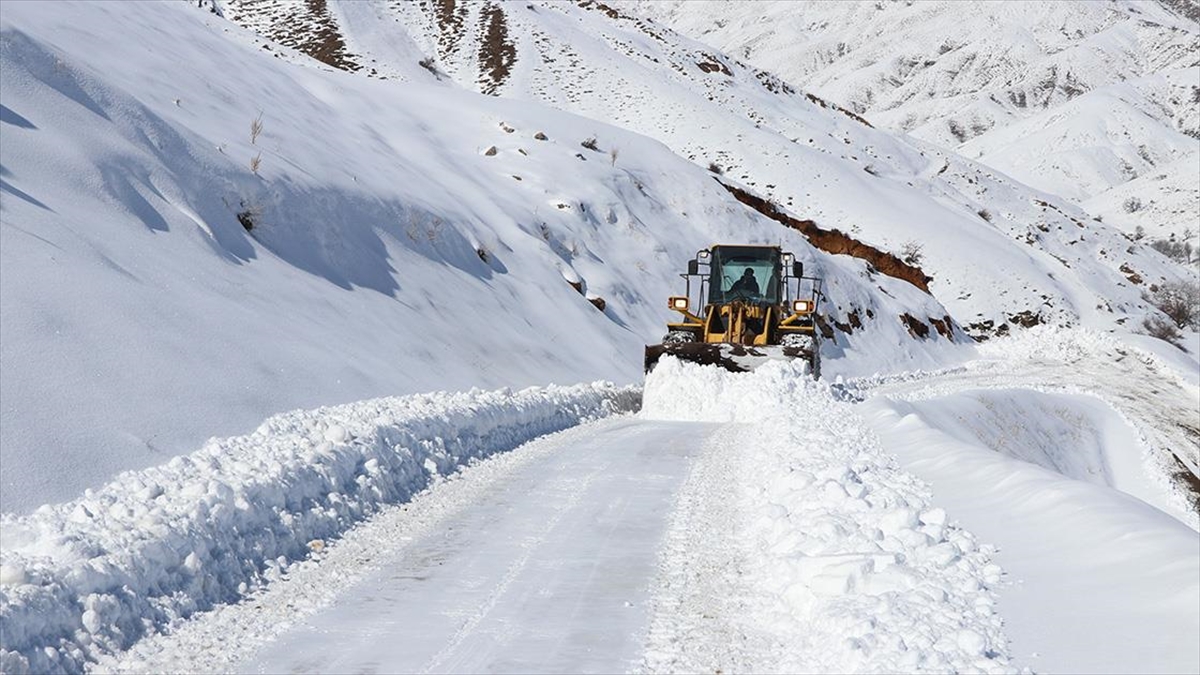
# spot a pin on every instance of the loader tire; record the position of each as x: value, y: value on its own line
x: 678, y: 337
x: 802, y: 341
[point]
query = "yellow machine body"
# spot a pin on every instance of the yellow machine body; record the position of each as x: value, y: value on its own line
x: 741, y: 322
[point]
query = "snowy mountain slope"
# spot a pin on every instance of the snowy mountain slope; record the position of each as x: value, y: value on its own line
x: 405, y: 237
x: 1049, y: 262
x: 1002, y: 80
x: 1074, y: 137
x: 1157, y: 201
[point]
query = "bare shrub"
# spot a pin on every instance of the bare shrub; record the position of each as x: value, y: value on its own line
x: 957, y: 131
x: 255, y: 162
x: 612, y: 155
x: 1162, y: 329
x: 434, y: 229
x: 911, y: 253
x: 1175, y: 249
x: 1132, y: 205
x: 590, y: 144
x: 256, y: 127
x: 1180, y: 301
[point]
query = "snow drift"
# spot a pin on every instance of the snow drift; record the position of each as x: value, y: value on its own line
x: 1102, y: 582
x: 90, y: 577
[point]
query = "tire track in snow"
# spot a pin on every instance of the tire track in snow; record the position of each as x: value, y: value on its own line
x: 703, y: 596
x: 573, y: 487
x: 546, y: 572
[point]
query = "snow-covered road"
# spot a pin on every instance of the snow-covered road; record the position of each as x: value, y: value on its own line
x: 546, y: 572
x: 1018, y: 511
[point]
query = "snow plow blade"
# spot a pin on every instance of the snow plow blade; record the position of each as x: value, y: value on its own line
x: 732, y: 357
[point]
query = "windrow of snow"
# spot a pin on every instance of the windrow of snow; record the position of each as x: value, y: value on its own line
x: 88, y: 578
x: 1137, y: 398
x: 856, y: 570
x: 1102, y: 582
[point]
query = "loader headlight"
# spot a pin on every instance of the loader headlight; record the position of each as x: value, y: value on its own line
x: 802, y: 306
x: 678, y: 302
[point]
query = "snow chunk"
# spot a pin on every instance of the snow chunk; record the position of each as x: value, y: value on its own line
x: 862, y: 575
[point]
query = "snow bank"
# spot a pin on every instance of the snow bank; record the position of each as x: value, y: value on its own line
x: 1076, y: 345
x: 1145, y: 385
x: 1102, y: 583
x: 90, y: 577
x: 864, y: 574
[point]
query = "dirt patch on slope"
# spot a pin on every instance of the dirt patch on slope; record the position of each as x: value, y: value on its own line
x: 307, y: 27
x: 835, y: 242
x: 496, y: 52
x: 833, y: 106
x: 449, y: 16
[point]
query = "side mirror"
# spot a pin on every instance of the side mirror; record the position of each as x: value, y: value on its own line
x: 693, y: 267
x: 797, y: 269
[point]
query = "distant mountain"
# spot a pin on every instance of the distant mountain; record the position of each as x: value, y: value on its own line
x: 1074, y: 98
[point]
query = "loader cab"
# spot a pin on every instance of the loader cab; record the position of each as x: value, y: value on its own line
x: 729, y: 264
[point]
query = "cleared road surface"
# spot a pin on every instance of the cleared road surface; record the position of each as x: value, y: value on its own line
x: 548, y: 573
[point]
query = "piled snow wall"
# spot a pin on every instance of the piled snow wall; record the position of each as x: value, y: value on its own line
x: 91, y: 576
x: 861, y: 571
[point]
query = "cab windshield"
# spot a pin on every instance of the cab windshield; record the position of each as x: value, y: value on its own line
x: 749, y: 274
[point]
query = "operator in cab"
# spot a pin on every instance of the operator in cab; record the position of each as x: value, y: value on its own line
x: 747, y: 284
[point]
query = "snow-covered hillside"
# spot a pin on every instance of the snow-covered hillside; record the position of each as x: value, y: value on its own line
x: 1074, y: 98
x: 372, y: 238
x: 1049, y: 261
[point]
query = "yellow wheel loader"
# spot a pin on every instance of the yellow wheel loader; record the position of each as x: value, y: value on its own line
x: 753, y: 305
